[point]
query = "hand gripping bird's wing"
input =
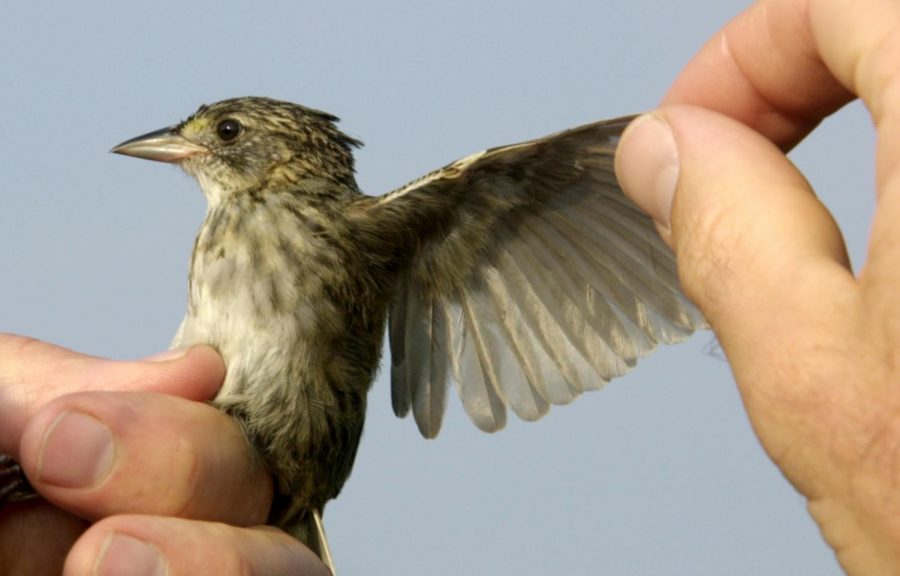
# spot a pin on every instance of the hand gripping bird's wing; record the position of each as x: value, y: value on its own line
x: 532, y: 280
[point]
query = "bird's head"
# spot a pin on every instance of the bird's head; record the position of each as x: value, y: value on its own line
x: 251, y: 143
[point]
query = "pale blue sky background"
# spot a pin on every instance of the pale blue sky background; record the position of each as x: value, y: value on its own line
x: 659, y: 474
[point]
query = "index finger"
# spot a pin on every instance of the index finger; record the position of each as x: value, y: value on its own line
x: 783, y: 65
x: 764, y: 69
x: 32, y: 373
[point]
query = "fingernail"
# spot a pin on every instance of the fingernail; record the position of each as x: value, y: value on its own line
x: 77, y: 451
x: 173, y: 354
x: 123, y: 555
x: 647, y: 166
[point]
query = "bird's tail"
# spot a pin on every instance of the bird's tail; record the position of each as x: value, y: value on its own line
x: 310, y: 530
x: 320, y: 546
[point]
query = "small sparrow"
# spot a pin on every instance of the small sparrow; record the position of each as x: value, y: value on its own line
x: 521, y: 274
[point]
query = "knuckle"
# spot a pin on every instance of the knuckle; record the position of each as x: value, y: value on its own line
x: 185, y: 490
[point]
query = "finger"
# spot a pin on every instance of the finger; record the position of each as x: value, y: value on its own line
x: 35, y: 537
x: 33, y: 372
x: 756, y: 250
x: 782, y: 66
x: 765, y: 70
x: 155, y: 545
x: 98, y: 454
x: 865, y: 56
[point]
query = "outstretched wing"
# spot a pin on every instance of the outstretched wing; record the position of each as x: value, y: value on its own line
x: 531, y: 279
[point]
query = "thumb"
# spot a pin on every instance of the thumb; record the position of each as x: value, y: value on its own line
x: 32, y: 373
x: 756, y: 250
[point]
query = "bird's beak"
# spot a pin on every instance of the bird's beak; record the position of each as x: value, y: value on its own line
x: 164, y: 145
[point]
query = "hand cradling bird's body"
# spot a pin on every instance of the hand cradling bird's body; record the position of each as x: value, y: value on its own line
x: 521, y: 274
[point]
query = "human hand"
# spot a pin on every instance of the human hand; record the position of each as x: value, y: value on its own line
x: 815, y: 351
x: 131, y: 472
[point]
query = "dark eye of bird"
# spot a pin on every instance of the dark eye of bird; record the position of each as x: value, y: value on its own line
x: 228, y: 129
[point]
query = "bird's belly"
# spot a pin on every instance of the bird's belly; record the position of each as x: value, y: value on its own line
x: 275, y: 389
x: 273, y: 320
x: 263, y: 323
x: 257, y: 354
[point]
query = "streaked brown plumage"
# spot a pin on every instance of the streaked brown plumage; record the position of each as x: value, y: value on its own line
x: 520, y: 273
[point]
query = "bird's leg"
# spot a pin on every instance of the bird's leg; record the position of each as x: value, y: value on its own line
x: 14, y: 486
